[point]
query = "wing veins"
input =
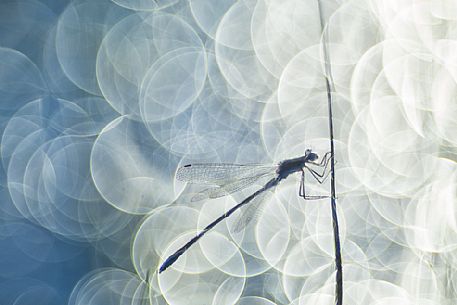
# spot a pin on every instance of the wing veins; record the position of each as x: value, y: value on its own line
x: 220, y: 173
x: 232, y: 187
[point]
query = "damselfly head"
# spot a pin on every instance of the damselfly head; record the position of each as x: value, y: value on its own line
x: 310, y: 156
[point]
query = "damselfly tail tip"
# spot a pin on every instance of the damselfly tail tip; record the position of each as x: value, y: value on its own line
x: 162, y: 268
x: 169, y: 261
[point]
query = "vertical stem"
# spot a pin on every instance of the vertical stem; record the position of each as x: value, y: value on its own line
x: 336, y: 234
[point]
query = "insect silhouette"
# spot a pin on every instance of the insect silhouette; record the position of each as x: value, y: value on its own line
x: 230, y: 178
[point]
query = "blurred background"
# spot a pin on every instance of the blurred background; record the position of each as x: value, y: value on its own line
x: 101, y: 101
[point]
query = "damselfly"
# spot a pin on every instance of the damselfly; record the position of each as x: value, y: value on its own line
x: 230, y: 178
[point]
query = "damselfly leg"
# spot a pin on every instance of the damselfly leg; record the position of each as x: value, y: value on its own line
x: 325, y: 160
x: 319, y: 177
x: 302, y: 190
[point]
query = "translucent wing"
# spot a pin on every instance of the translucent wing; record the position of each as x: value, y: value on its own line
x: 231, y: 187
x: 221, y: 173
x: 251, y: 212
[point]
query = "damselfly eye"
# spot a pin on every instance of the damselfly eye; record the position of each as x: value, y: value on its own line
x: 313, y: 156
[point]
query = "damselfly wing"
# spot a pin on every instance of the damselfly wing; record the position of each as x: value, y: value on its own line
x: 227, y: 179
